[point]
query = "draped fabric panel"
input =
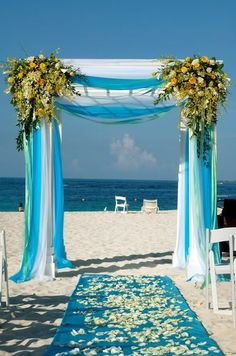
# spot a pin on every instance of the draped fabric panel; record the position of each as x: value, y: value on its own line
x: 44, y: 206
x: 58, y: 223
x: 130, y: 109
x: 118, y: 84
x: 180, y: 255
x: 197, y: 194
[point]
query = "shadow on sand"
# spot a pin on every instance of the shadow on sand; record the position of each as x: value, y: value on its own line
x: 39, y: 314
x: 83, y: 265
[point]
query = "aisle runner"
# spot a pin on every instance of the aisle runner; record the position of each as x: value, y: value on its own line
x: 130, y: 315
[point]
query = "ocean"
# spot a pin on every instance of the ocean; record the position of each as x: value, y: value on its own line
x: 98, y: 194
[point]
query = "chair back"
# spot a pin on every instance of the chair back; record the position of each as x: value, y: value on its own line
x: 150, y: 206
x: 121, y: 203
x: 120, y: 199
x: 220, y: 235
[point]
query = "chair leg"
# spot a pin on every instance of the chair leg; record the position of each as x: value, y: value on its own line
x: 207, y: 276
x: 233, y: 282
x: 213, y: 283
x: 1, y: 277
x: 207, y: 290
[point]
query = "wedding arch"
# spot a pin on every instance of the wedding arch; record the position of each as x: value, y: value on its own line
x: 114, y: 92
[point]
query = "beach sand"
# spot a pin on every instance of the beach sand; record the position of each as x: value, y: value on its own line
x: 105, y: 242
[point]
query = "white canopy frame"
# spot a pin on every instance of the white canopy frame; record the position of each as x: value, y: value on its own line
x: 137, y: 69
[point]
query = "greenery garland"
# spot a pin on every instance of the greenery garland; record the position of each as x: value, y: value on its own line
x: 34, y: 82
x: 201, y: 85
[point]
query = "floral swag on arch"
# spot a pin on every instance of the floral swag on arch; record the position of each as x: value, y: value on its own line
x: 199, y: 85
x: 40, y: 86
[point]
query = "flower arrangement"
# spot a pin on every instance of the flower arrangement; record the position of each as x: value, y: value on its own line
x: 34, y: 82
x: 201, y: 85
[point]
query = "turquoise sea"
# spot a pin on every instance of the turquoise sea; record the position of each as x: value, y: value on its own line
x: 98, y: 194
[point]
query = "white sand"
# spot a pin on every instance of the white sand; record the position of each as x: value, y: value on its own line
x: 97, y: 243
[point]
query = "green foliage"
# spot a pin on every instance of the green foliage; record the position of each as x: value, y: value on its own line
x: 34, y: 82
x: 202, y: 86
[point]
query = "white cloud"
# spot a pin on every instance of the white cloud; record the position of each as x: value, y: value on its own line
x: 129, y: 156
x: 75, y: 165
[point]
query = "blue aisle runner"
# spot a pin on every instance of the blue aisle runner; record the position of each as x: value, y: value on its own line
x: 130, y: 315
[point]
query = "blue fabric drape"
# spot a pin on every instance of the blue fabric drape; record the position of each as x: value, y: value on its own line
x: 117, y: 84
x: 32, y: 149
x: 202, y: 212
x: 58, y: 242
x: 35, y: 217
x: 116, y: 114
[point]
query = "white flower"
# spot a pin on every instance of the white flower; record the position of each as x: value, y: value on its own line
x: 30, y: 59
x: 212, y: 62
x: 195, y: 61
x: 200, y: 80
x: 41, y: 56
x: 209, y: 69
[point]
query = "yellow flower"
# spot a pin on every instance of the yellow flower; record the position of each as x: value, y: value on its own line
x: 184, y: 69
x: 20, y: 75
x: 10, y: 80
x: 42, y: 66
x: 192, y: 80
x: 72, y: 74
x: 196, y: 65
x: 173, y: 81
x: 205, y: 59
x: 32, y: 65
x: 40, y: 112
x: 187, y: 59
x: 41, y: 82
x: 58, y: 88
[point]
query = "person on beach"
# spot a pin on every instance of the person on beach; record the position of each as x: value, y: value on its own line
x: 20, y: 207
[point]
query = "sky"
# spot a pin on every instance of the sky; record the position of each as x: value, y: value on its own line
x: 119, y: 29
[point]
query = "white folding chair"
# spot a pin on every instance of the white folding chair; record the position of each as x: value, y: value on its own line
x: 213, y: 269
x: 121, y: 204
x: 150, y: 206
x: 3, y: 269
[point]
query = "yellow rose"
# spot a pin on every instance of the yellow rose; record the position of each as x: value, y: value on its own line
x: 32, y: 65
x: 192, y: 80
x: 184, y: 69
x: 196, y: 65
x: 173, y: 81
x: 205, y: 59
x: 20, y: 75
x: 42, y: 66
